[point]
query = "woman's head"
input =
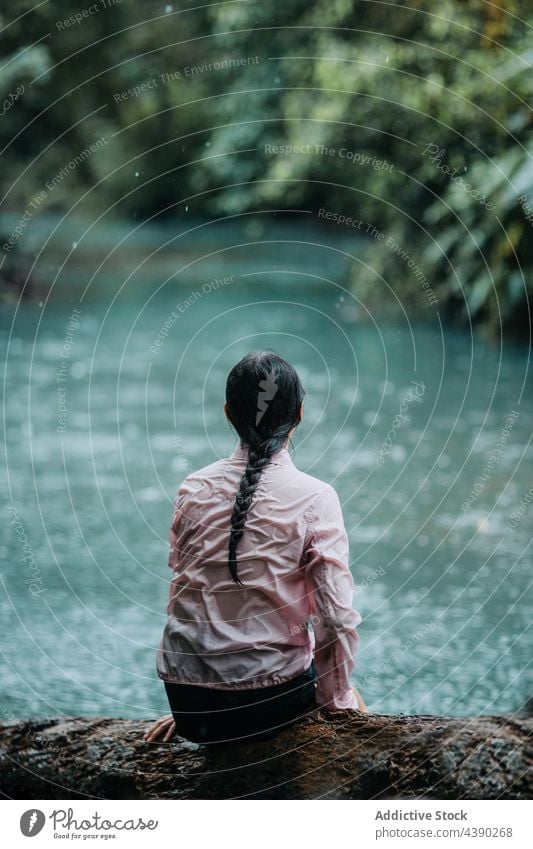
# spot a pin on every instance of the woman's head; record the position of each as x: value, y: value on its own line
x: 264, y: 398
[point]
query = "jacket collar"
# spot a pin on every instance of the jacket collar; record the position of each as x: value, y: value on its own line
x: 280, y: 458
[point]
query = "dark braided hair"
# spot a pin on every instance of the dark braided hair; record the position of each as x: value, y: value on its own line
x: 263, y: 397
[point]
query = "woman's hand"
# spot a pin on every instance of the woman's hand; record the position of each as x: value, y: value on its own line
x: 360, y: 703
x: 164, y: 727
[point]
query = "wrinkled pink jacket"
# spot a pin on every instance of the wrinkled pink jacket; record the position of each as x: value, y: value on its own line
x: 296, y: 602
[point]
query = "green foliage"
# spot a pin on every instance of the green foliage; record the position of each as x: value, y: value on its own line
x: 390, y: 81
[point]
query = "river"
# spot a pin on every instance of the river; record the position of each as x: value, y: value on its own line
x: 106, y: 410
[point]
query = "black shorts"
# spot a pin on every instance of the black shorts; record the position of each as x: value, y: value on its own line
x: 211, y: 715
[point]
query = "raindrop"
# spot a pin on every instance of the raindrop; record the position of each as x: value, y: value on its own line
x: 168, y: 10
x: 136, y: 173
x: 74, y: 245
x: 78, y: 370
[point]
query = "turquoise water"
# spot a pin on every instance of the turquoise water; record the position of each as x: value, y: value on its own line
x: 442, y: 588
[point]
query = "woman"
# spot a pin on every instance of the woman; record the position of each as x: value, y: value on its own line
x: 260, y: 627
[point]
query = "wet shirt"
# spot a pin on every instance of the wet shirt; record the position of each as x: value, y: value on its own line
x: 296, y: 602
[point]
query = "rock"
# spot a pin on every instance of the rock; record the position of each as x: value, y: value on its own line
x: 342, y: 755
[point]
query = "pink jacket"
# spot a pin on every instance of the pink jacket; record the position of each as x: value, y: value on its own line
x: 296, y: 602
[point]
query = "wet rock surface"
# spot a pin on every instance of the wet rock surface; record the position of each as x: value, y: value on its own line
x: 342, y: 755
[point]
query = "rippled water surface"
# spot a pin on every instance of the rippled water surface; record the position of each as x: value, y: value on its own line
x: 401, y: 420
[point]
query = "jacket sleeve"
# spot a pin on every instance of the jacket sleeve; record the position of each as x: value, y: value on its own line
x: 330, y: 589
x: 174, y: 532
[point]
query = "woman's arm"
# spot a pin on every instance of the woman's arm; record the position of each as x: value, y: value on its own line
x: 165, y: 727
x: 330, y: 589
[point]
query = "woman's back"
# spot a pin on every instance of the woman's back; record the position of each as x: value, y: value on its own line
x: 260, y: 626
x: 222, y: 634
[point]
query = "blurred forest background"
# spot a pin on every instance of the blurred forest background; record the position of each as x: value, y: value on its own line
x: 189, y: 98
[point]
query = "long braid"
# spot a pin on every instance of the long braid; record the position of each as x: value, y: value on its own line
x: 258, y: 458
x: 262, y: 442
